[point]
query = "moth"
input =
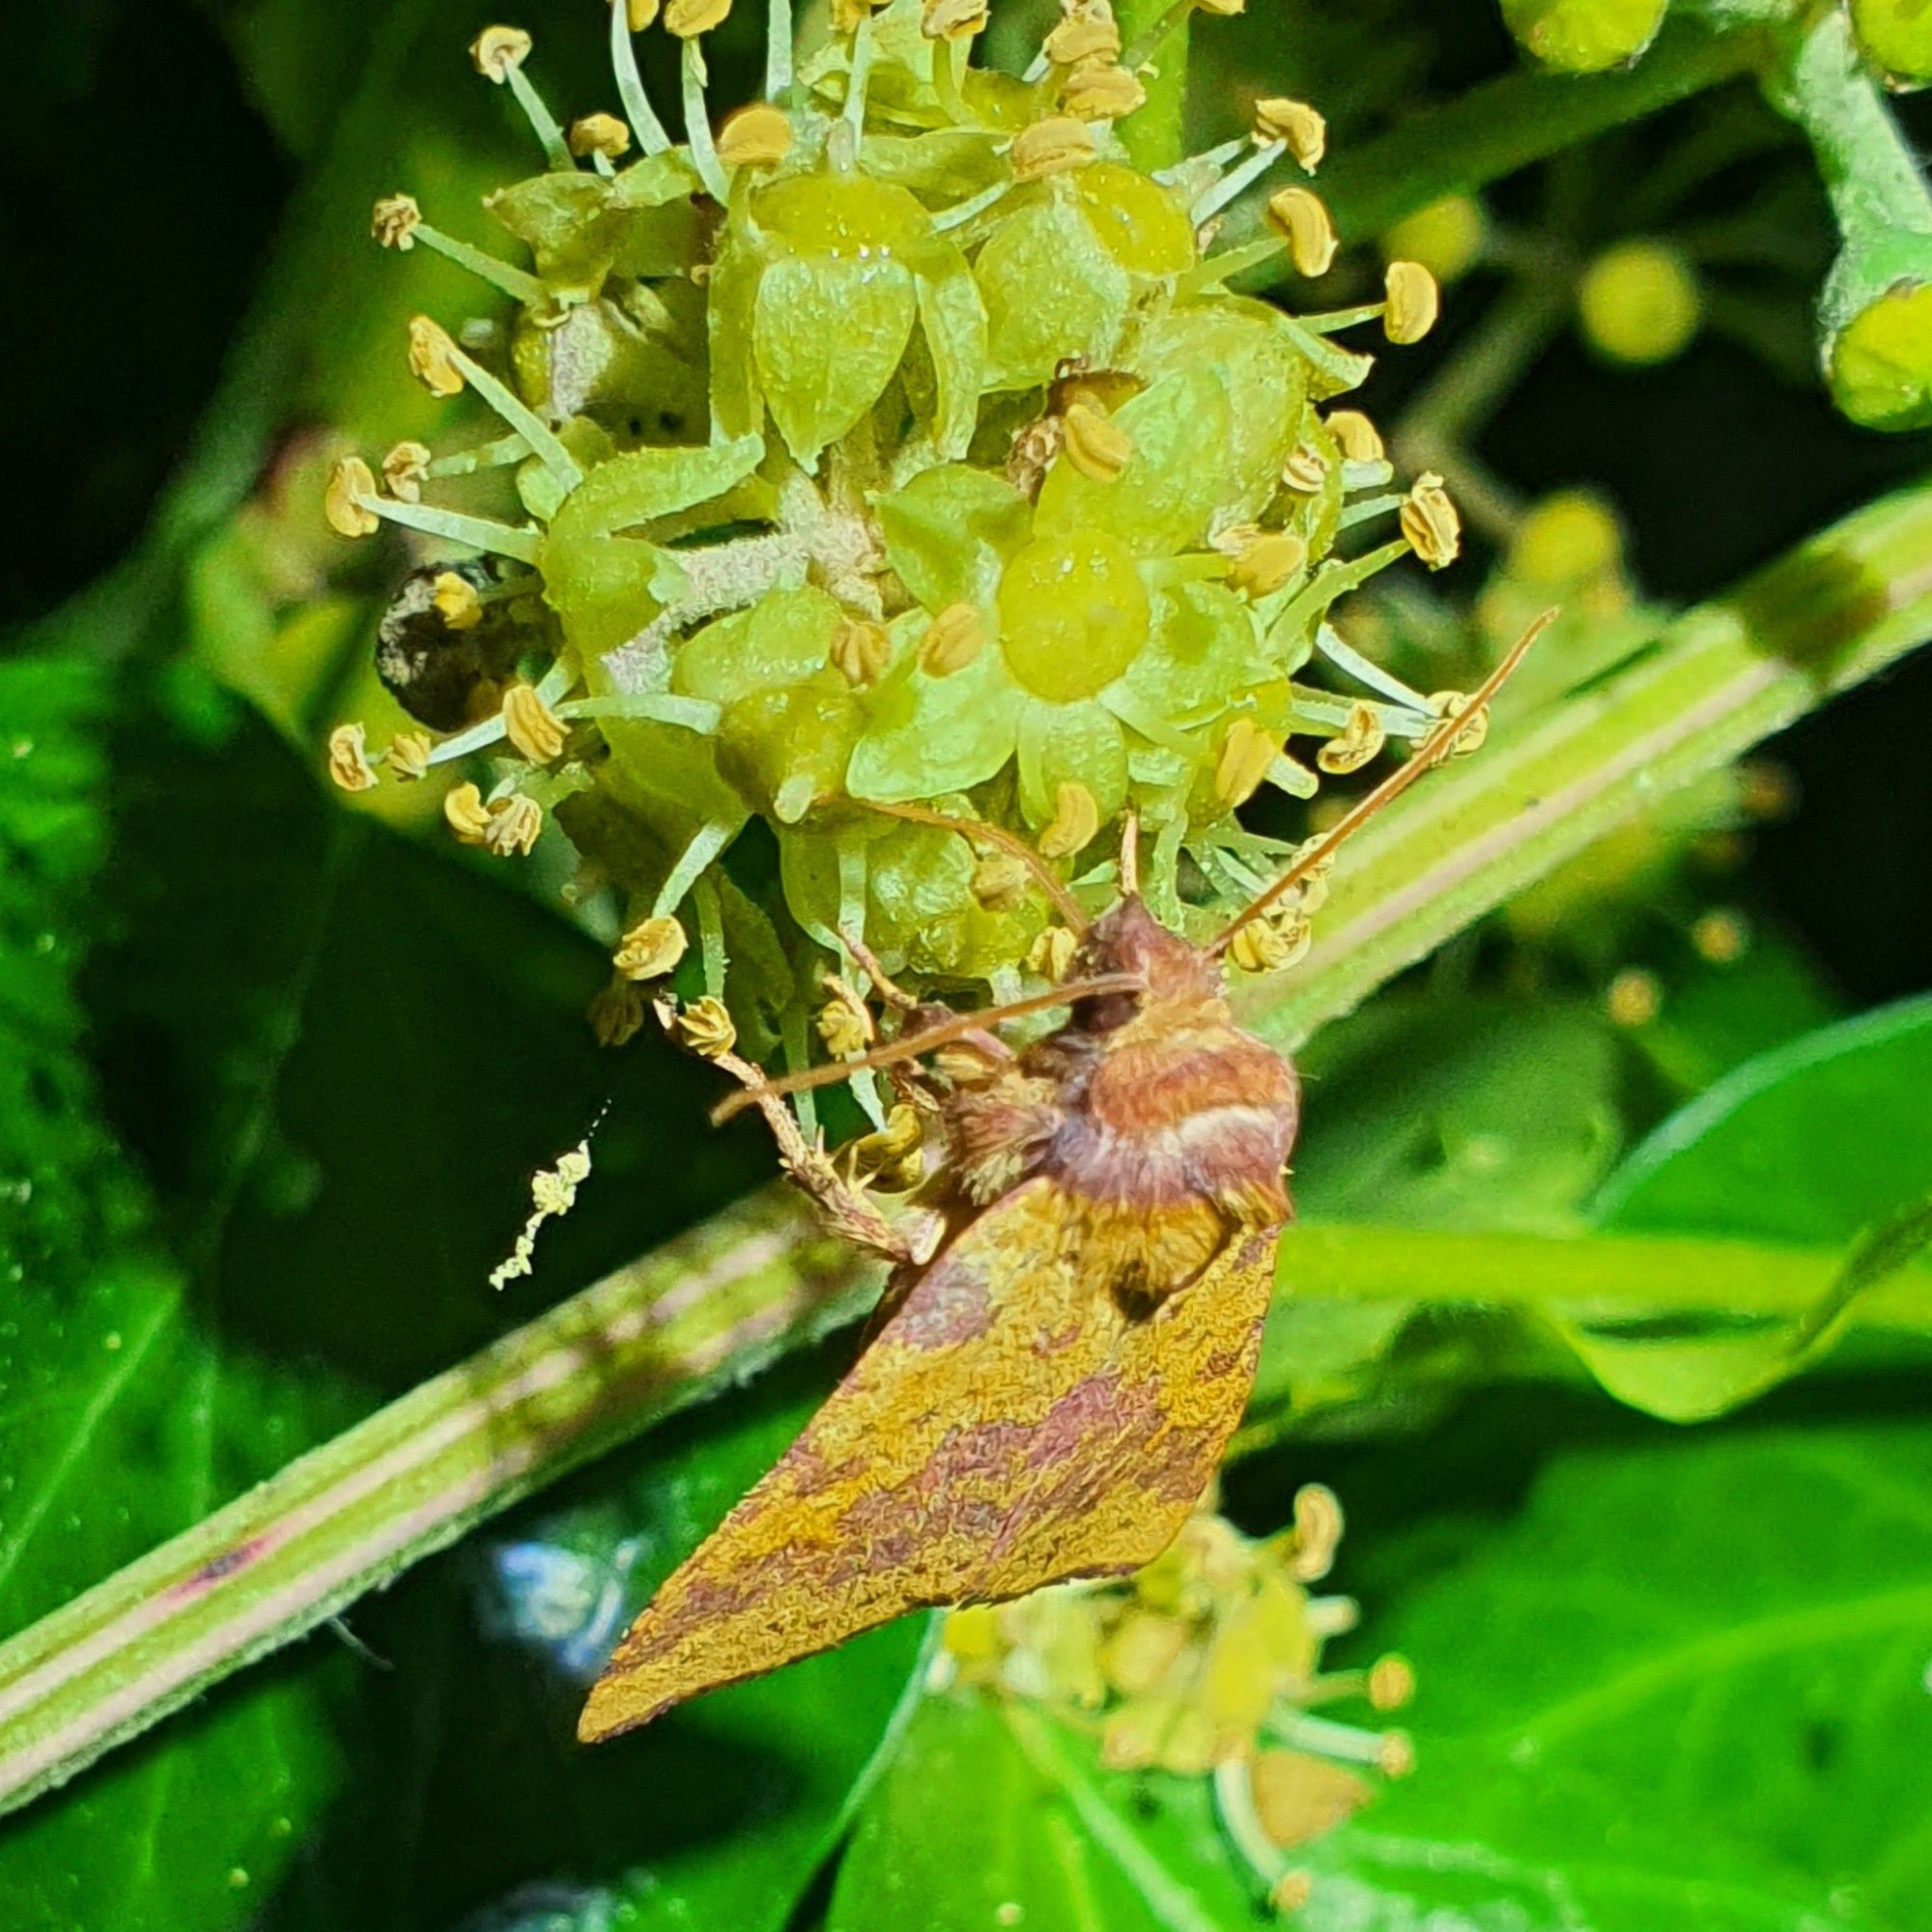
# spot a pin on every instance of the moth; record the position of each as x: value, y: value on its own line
x: 1047, y: 1393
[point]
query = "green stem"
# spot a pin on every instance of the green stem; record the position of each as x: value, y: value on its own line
x: 709, y: 1308
x: 413, y: 1478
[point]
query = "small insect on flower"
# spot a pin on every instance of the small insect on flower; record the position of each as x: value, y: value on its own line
x: 1046, y: 1394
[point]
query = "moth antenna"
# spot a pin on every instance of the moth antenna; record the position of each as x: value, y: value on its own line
x: 911, y: 1045
x: 1430, y: 753
x: 1069, y: 907
x: 1130, y: 854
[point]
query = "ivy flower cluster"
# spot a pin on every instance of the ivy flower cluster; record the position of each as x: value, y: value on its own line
x: 1207, y: 1663
x: 893, y: 442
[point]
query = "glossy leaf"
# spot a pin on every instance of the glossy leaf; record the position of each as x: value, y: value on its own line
x: 1826, y: 1142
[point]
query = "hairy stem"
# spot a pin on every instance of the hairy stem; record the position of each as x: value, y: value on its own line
x: 711, y: 1307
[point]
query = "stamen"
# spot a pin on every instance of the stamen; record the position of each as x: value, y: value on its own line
x: 1367, y: 509
x: 396, y: 222
x: 1301, y: 217
x: 778, y: 49
x: 704, y: 1027
x: 638, y: 109
x: 1095, y: 445
x: 499, y: 453
x: 1075, y: 822
x: 698, y: 122
x: 1051, y: 147
x: 1345, y: 657
x: 651, y: 949
x: 433, y: 355
x: 500, y: 54
x: 1414, y: 301
x: 953, y: 641
x: 964, y: 211
x: 349, y: 759
x: 757, y: 137
x: 352, y: 488
x: 694, y: 714
x: 860, y: 76
x: 706, y: 843
x: 1430, y: 523
x: 1236, y: 181
x: 1301, y: 126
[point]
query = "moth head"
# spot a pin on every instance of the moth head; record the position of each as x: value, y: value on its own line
x: 1129, y: 940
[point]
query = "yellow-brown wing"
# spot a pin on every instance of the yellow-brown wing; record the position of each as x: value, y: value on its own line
x: 1010, y: 1426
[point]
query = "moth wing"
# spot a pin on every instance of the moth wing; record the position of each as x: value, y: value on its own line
x: 1010, y: 1426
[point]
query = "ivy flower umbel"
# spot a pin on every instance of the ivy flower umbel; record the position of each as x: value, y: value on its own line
x: 1207, y: 1665
x: 885, y: 447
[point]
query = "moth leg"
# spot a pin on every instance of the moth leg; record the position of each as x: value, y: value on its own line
x: 867, y: 961
x: 844, y: 1205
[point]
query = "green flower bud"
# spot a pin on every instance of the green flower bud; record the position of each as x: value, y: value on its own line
x: 1585, y: 36
x: 1638, y: 302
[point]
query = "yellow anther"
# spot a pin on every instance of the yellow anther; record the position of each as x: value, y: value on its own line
x: 1291, y: 1891
x: 1267, y: 561
x: 1429, y: 524
x: 1358, y: 741
x: 639, y: 14
x: 456, y: 600
x: 687, y: 18
x: 705, y: 1027
x: 848, y: 14
x: 1051, y: 952
x: 615, y: 1013
x: 1295, y: 123
x: 1280, y: 938
x: 1247, y: 753
x: 1083, y: 37
x: 1099, y: 91
x: 1076, y: 819
x: 349, y: 759
x: 1000, y: 881
x: 953, y: 641
x: 345, y: 504
x: 515, y: 823
x: 1391, y: 1683
x: 861, y: 649
x: 1095, y: 445
x: 1414, y: 302
x: 759, y: 136
x: 1397, y: 1756
x: 651, y: 949
x: 1316, y: 1532
x: 844, y: 1022
x: 1051, y: 147
x: 530, y: 724
x: 1305, y: 471
x: 1302, y: 218
x: 892, y: 1160
x: 405, y: 470
x: 496, y: 50
x: 466, y: 815
x: 1359, y: 439
x: 394, y: 221
x: 599, y: 133
x: 433, y: 358
x: 953, y: 20
x: 407, y: 755
x: 1452, y: 705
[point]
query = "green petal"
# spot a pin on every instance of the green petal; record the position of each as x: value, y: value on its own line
x: 955, y: 321
x: 1077, y: 744
x: 1051, y: 291
x: 927, y: 735
x: 1137, y: 220
x: 782, y: 640
x: 950, y: 531
x: 828, y: 336
x: 1265, y: 379
x: 1177, y: 478
x: 1202, y: 649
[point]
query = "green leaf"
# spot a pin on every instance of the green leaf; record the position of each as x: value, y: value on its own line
x: 123, y: 1422
x: 1664, y: 1680
x: 994, y: 1815
x: 1824, y: 1141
